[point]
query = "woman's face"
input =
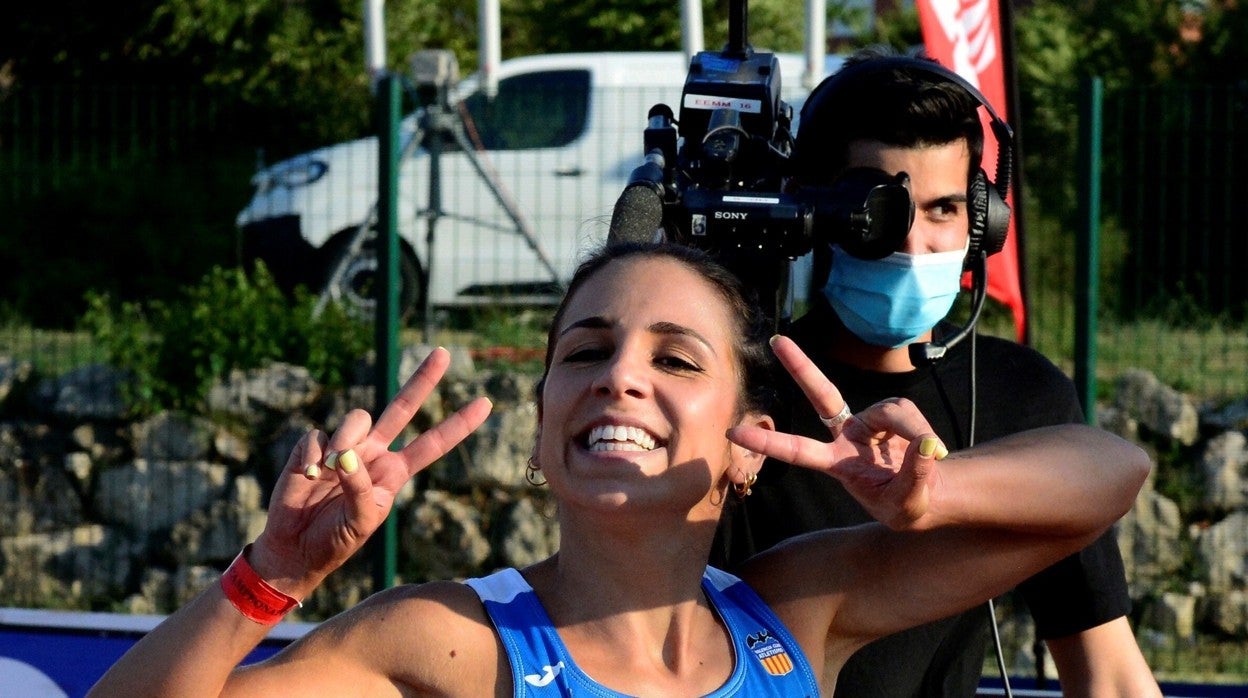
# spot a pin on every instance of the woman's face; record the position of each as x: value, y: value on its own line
x: 642, y: 385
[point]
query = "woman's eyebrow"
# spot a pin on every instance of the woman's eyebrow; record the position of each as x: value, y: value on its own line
x: 672, y: 328
x: 596, y: 322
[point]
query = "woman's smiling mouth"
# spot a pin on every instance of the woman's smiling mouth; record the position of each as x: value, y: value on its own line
x: 611, y: 437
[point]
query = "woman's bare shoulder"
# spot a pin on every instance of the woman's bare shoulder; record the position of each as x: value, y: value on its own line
x: 429, y: 639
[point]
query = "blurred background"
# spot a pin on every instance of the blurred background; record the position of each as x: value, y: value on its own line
x: 155, y: 360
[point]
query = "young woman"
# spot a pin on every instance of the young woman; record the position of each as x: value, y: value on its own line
x: 652, y: 418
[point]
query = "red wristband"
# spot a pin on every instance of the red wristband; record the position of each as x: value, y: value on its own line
x: 251, y: 595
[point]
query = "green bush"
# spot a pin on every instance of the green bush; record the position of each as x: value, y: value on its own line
x: 230, y: 320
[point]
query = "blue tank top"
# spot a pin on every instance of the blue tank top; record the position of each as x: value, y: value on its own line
x: 768, y: 662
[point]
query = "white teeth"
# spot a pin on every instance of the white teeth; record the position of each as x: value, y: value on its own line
x: 612, y: 437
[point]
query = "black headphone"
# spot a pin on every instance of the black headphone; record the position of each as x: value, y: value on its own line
x: 988, y: 213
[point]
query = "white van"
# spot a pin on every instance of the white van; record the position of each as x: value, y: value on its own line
x: 558, y: 142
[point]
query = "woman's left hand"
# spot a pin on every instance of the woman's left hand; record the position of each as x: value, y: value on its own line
x: 885, y: 456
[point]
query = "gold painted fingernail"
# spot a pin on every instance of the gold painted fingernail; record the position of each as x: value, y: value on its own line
x: 331, y: 460
x: 773, y: 339
x: 349, y: 461
x: 941, y: 452
x: 928, y: 446
x: 311, y: 471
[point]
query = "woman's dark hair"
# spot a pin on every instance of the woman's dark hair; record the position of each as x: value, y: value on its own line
x: 757, y: 366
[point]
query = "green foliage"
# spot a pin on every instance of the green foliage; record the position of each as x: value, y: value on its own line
x: 899, y: 28
x: 1177, y: 477
x: 296, y: 63
x: 1129, y: 45
x: 230, y: 320
x: 299, y: 67
x: 495, y: 327
x: 645, y: 25
x: 501, y: 337
x: 82, y: 230
x: 773, y: 25
x: 1223, y: 49
x: 1125, y: 43
x: 620, y: 25
x: 129, y: 342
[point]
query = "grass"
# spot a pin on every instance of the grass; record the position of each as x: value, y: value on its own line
x: 50, y: 352
x: 1204, y: 359
x: 1204, y: 662
x: 1206, y: 362
x: 500, y: 338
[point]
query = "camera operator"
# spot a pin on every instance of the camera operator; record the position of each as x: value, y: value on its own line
x: 902, y: 117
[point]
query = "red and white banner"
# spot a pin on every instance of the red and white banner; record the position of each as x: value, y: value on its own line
x: 965, y: 36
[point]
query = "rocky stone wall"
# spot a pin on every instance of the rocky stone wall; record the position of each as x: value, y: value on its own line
x: 99, y: 512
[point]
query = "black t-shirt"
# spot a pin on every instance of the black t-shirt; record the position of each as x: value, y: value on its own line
x: 1017, y: 389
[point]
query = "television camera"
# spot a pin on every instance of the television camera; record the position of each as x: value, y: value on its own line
x: 715, y: 177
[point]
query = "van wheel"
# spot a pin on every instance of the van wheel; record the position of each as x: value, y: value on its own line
x: 351, y: 279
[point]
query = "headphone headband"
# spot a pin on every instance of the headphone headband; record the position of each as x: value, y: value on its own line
x: 1001, y: 131
x: 933, y: 68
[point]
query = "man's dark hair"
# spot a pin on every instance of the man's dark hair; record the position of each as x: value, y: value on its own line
x: 902, y: 105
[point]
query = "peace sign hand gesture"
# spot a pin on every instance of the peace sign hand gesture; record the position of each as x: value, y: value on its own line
x: 334, y: 492
x: 885, y: 456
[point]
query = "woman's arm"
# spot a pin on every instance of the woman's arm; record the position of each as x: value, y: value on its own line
x: 331, y: 496
x: 960, y: 529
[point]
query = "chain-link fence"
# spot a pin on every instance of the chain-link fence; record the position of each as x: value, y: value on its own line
x: 116, y: 200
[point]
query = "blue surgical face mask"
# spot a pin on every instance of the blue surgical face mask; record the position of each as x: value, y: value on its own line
x: 893, y: 301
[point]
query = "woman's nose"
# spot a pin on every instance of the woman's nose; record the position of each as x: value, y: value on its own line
x: 622, y: 374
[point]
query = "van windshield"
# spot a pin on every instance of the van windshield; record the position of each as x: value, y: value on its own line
x: 544, y: 109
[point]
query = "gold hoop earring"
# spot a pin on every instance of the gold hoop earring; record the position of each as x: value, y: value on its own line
x: 531, y: 472
x: 745, y: 489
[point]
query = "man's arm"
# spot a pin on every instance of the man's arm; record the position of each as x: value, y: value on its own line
x: 1103, y: 661
x: 1080, y: 605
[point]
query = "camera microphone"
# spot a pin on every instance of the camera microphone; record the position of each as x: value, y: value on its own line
x: 928, y: 353
x: 638, y: 214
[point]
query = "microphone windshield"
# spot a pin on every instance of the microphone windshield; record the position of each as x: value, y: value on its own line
x: 638, y: 215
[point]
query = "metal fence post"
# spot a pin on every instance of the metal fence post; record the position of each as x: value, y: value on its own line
x: 1087, y: 246
x: 388, y: 97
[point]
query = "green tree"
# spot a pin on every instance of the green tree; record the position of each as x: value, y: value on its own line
x: 1057, y: 44
x: 300, y: 65
x: 898, y: 28
x: 1128, y: 44
x: 1217, y: 41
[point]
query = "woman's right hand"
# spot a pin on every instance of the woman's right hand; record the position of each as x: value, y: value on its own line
x: 334, y: 492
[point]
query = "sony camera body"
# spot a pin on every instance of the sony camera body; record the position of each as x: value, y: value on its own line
x: 717, y: 177
x: 735, y: 138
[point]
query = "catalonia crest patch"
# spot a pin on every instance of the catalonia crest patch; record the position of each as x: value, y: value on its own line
x: 770, y: 653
